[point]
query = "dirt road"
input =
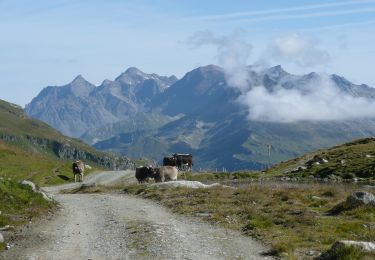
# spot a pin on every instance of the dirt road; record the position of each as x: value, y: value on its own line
x: 117, y: 226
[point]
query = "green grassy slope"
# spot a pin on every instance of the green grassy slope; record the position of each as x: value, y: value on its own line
x: 31, y: 149
x: 347, y: 161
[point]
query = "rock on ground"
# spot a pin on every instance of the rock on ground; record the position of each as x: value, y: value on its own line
x: 367, y: 247
x: 355, y: 200
x: 1, y: 238
x: 360, y: 198
x: 35, y: 189
x: 29, y: 183
x: 187, y: 184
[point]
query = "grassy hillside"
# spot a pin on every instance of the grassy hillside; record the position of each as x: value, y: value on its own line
x: 19, y: 164
x: 31, y: 149
x: 348, y: 161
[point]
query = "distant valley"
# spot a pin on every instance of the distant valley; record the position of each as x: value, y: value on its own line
x: 151, y: 116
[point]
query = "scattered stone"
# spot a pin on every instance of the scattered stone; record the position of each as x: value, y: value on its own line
x: 7, y: 227
x: 187, y: 184
x: 368, y: 156
x: 316, y: 198
x: 367, y: 247
x: 1, y: 238
x: 317, y: 160
x: 202, y: 214
x: 299, y: 169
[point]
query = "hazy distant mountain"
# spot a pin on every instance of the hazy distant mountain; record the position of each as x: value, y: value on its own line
x: 80, y: 106
x: 153, y: 116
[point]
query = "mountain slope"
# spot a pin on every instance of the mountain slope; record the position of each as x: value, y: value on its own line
x: 30, y: 149
x: 355, y: 159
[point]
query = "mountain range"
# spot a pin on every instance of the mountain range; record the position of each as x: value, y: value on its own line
x: 147, y: 115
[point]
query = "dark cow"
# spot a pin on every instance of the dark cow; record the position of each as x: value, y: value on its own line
x: 170, y: 161
x: 78, y: 168
x: 166, y: 173
x: 184, y: 161
x: 143, y: 173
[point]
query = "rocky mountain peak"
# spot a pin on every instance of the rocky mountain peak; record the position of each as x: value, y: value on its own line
x: 132, y: 76
x: 80, y: 86
x: 276, y: 72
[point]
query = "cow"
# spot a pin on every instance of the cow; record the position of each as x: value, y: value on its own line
x: 78, y: 168
x: 143, y: 173
x: 166, y: 173
x: 170, y: 161
x: 184, y: 161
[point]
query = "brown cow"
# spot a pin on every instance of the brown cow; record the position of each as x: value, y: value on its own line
x: 166, y: 173
x: 78, y: 170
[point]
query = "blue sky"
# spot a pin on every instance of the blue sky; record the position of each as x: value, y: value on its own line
x: 50, y: 42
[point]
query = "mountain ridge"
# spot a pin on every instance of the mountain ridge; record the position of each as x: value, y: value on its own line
x: 206, y: 119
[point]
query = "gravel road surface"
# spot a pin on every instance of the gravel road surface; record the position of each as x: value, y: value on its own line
x: 118, y: 226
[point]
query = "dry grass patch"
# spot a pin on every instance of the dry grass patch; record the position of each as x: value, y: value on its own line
x: 292, y: 218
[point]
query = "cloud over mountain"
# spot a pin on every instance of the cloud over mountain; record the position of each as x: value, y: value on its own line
x: 299, y: 50
x: 318, y: 99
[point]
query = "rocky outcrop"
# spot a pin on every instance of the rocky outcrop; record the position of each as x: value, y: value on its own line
x: 66, y: 150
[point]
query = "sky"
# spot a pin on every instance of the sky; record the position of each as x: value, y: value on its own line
x: 47, y: 43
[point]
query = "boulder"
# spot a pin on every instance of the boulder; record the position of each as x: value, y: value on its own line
x: 1, y: 238
x: 355, y: 200
x: 360, y: 198
x: 340, y: 246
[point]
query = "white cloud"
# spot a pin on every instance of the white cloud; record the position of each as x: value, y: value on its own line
x: 321, y: 100
x: 233, y: 53
x: 299, y: 50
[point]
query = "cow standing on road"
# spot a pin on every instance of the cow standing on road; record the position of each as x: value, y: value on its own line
x: 166, y: 173
x: 144, y: 173
x: 78, y: 168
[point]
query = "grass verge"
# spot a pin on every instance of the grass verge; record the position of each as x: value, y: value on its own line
x: 19, y: 204
x: 292, y: 218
